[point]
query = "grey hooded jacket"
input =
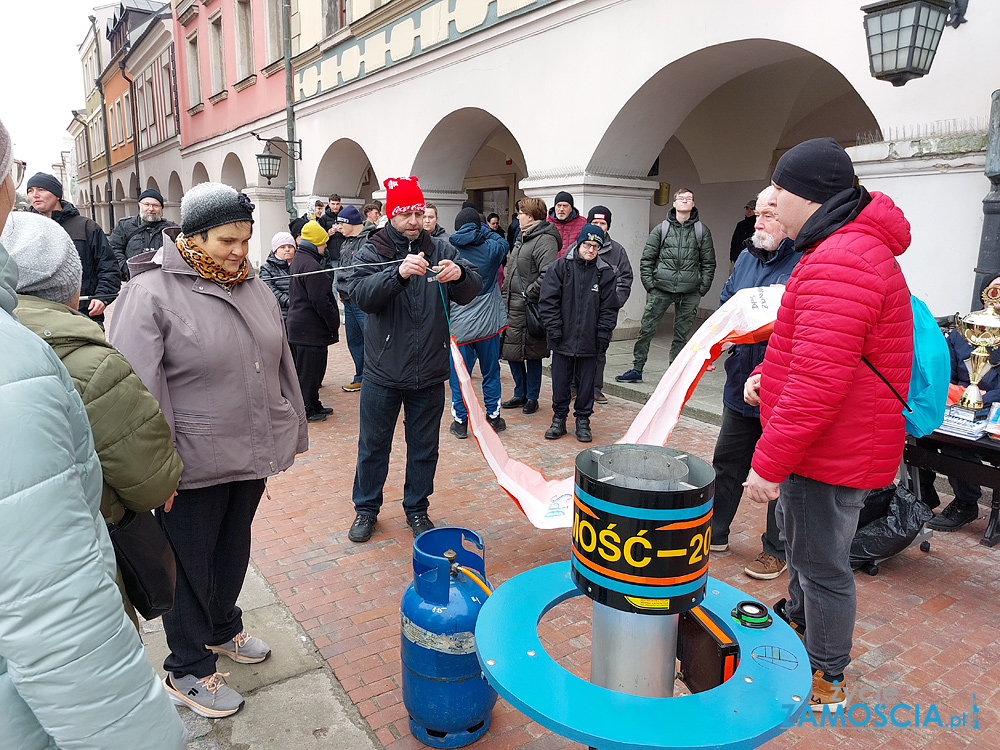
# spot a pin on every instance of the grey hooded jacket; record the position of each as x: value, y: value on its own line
x: 218, y: 363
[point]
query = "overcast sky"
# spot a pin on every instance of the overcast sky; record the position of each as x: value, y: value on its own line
x: 41, y: 79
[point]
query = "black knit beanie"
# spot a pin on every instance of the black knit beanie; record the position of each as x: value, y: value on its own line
x: 467, y: 216
x: 815, y: 170
x: 599, y: 212
x: 46, y: 182
x: 212, y: 204
x: 151, y: 193
x: 563, y: 197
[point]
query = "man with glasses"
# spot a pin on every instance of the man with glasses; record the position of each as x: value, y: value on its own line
x: 768, y: 257
x: 101, y: 277
x: 137, y: 234
x: 677, y: 268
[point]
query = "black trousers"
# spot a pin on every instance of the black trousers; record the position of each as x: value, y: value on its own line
x: 310, y: 366
x: 209, y: 529
x: 566, y: 371
x: 733, y: 454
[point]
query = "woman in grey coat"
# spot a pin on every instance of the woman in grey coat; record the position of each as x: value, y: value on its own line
x: 534, y: 251
x: 205, y: 336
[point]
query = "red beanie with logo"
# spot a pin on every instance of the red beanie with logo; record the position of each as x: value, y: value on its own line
x: 403, y: 195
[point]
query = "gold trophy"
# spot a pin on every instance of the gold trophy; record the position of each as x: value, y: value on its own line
x: 982, y: 330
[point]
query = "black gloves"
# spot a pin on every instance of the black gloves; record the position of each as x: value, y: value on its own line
x: 603, y: 344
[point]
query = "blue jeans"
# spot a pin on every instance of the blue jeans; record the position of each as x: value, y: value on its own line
x: 488, y: 353
x: 817, y: 523
x: 379, y: 410
x: 527, y: 378
x: 354, y: 322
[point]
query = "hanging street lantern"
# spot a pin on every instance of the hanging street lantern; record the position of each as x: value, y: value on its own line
x: 904, y: 35
x: 268, y: 164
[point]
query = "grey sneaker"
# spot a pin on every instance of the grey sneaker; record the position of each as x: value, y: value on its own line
x: 210, y: 696
x: 243, y: 648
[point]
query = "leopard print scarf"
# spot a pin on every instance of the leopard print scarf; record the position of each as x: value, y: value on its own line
x: 207, y: 268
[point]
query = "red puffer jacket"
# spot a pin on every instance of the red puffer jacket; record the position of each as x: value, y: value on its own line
x: 826, y: 415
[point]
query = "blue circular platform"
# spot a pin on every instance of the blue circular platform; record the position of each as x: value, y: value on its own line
x: 765, y: 695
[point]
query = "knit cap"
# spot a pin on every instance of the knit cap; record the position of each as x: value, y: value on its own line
x: 563, y: 197
x: 46, y: 182
x: 46, y: 258
x: 815, y: 170
x: 6, y: 152
x: 313, y: 232
x: 466, y: 216
x: 212, y: 204
x: 151, y: 193
x: 600, y: 212
x: 404, y: 195
x: 350, y: 215
x: 282, y: 238
x: 590, y: 233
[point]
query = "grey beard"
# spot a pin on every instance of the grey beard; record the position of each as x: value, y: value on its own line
x: 144, y: 219
x: 764, y: 241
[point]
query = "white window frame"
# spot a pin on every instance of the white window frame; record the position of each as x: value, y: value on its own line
x: 217, y: 53
x: 193, y: 58
x: 243, y: 14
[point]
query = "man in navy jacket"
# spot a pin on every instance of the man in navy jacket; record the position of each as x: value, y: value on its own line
x: 768, y: 259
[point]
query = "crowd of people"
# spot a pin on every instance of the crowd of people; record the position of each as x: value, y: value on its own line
x: 205, y: 382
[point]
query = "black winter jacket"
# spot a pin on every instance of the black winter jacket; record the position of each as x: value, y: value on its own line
x: 275, y: 273
x: 533, y: 253
x: 101, y: 277
x: 613, y: 253
x: 406, y: 332
x: 130, y: 238
x: 313, y: 317
x: 347, y: 250
x: 578, y: 305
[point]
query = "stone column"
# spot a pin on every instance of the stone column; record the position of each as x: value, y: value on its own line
x: 629, y: 200
x: 270, y: 217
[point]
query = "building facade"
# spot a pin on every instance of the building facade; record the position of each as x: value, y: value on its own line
x: 610, y: 100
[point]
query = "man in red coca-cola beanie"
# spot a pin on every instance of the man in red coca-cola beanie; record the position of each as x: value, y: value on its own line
x: 406, y: 351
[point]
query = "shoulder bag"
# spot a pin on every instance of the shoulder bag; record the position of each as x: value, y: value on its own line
x: 146, y: 561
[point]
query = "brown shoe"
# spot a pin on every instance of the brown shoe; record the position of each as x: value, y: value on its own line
x: 826, y: 693
x: 765, y: 567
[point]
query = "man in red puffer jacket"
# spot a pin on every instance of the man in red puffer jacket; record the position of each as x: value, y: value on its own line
x: 832, y: 429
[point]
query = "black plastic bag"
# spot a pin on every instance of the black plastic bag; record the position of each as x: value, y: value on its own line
x: 891, y: 534
x: 876, y: 505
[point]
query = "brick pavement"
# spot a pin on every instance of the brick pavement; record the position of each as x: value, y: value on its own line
x: 928, y: 624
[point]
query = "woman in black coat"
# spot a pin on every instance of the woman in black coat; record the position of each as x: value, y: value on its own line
x: 533, y: 252
x: 275, y: 270
x: 313, y: 321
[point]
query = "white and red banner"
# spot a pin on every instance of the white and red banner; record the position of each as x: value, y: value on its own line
x: 746, y: 318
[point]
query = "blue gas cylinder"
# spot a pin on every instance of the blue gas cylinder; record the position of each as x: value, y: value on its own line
x: 449, y: 701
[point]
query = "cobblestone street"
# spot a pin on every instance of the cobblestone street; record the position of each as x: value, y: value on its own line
x: 927, y: 624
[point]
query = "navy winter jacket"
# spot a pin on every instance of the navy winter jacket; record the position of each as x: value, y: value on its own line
x: 753, y: 268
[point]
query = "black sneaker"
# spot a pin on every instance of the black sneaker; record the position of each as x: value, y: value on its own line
x: 362, y: 528
x: 317, y: 416
x: 325, y: 409
x: 419, y: 524
x: 459, y: 429
x: 497, y: 423
x: 953, y: 517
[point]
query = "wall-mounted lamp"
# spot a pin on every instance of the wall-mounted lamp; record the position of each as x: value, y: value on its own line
x: 269, y: 164
x: 903, y: 35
